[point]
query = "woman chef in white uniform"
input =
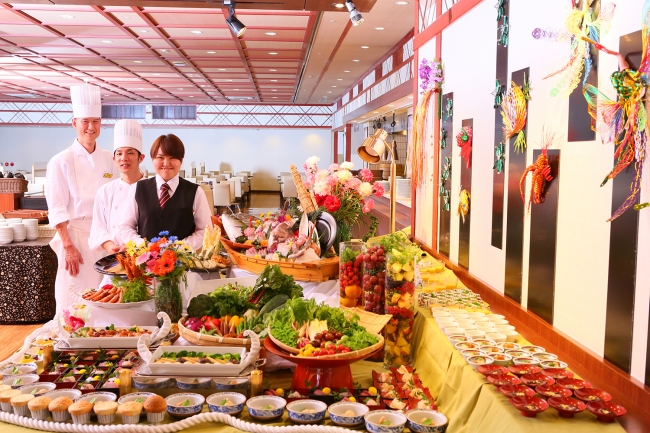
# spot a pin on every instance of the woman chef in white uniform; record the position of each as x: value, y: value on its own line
x: 72, y: 180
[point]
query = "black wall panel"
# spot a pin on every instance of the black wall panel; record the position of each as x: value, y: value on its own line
x: 445, y: 216
x: 465, y: 183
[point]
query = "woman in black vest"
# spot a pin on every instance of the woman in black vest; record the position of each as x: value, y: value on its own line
x: 166, y: 202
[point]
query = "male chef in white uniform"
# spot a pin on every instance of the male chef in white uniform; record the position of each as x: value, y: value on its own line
x: 72, y: 180
x: 111, y: 198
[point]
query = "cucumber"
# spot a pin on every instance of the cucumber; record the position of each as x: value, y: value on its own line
x: 276, y: 302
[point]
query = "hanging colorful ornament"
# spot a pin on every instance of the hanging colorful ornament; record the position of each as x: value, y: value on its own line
x: 444, y: 176
x: 541, y: 171
x: 431, y: 76
x: 514, y: 111
x: 624, y: 121
x: 501, y: 158
x: 504, y: 32
x: 446, y: 206
x: 501, y: 9
x: 527, y: 88
x: 464, y: 141
x: 443, y: 138
x: 498, y: 94
x: 579, y: 23
x: 463, y: 204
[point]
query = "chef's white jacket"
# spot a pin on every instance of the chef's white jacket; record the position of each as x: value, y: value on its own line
x: 200, y: 208
x: 72, y: 180
x: 110, y: 203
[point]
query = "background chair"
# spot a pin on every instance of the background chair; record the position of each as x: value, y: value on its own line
x: 208, y: 194
x: 221, y: 196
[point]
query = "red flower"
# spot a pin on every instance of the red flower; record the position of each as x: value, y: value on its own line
x: 332, y: 203
x: 320, y: 199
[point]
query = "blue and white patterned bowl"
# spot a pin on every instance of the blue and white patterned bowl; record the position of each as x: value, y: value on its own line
x: 47, y: 386
x: 337, y: 413
x: 20, y: 380
x: 196, y: 383
x: 228, y: 384
x: 415, y: 417
x: 152, y: 383
x: 72, y: 394
x: 298, y: 415
x: 98, y: 396
x: 215, y: 402
x: 257, y: 407
x: 27, y: 368
x: 134, y: 396
x: 373, y: 421
x: 175, y: 409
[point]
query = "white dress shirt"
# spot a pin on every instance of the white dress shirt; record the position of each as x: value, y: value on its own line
x: 201, y: 209
x: 73, y: 177
x: 111, y: 201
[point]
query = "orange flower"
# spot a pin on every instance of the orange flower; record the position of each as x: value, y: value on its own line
x: 166, y: 263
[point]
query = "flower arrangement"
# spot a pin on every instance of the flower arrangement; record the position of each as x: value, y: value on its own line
x: 75, y: 317
x: 431, y: 79
x: 343, y: 194
x: 161, y: 257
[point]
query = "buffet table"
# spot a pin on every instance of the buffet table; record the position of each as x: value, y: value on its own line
x: 29, y: 269
x: 470, y: 402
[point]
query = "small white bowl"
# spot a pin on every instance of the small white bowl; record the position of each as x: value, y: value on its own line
x: 460, y: 315
x: 474, y: 334
x: 338, y: 410
x: 502, y: 359
x: 98, y: 396
x: 175, y: 409
x: 525, y: 360
x: 458, y: 338
x: 545, y: 356
x: 498, y: 322
x: 446, y: 326
x: 439, y: 314
x: 484, y: 342
x: 533, y: 349
x: 497, y: 337
x: 471, y: 352
x: 215, y: 403
x: 437, y: 421
x: 474, y: 314
x: 511, y: 336
x: 195, y: 383
x: 397, y: 421
x: 496, y: 316
x: 72, y: 394
x: 441, y: 309
x: 491, y: 349
x: 465, y: 321
x: 20, y: 380
x: 455, y: 331
x: 553, y: 364
x: 484, y: 360
x: 258, y: 407
x: 445, y: 322
x: 466, y: 345
x: 296, y: 411
x: 467, y: 327
x: 47, y: 386
x: 19, y: 369
x: 504, y: 327
x: 507, y: 345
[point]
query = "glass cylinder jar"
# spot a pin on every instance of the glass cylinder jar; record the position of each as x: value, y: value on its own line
x: 400, y: 303
x: 374, y: 279
x: 167, y: 297
x: 350, y: 259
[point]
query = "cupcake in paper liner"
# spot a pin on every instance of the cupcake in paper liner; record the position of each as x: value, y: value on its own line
x: 38, y: 407
x: 19, y: 404
x: 59, y: 408
x: 5, y: 399
x: 105, y: 411
x: 80, y: 411
x: 130, y: 412
x: 155, y: 406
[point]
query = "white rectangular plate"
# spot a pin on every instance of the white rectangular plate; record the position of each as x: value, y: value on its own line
x: 108, y: 342
x: 200, y: 370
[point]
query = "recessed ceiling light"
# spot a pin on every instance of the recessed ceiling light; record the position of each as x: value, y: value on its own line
x: 156, y: 74
x: 365, y: 47
x: 156, y: 96
x: 137, y: 61
x: 380, y: 28
x: 211, y: 52
x: 391, y: 105
x: 180, y: 88
x: 107, y: 42
x: 228, y: 80
x: 273, y: 90
x: 346, y: 71
x: 274, y: 97
x: 356, y: 60
x: 273, y: 53
x: 107, y: 95
x: 67, y: 16
x: 402, y: 3
x: 144, y: 31
x: 329, y: 91
x: 140, y: 88
x: 274, y: 80
x: 338, y: 5
x: 95, y: 67
x: 179, y: 64
x: 334, y: 86
x: 164, y: 51
x: 202, y: 85
x: 196, y: 32
x: 221, y: 69
x: 127, y: 17
x: 310, y: 76
x: 191, y: 96
x: 332, y: 21
x: 339, y: 79
x: 235, y: 89
x: 273, y: 70
x: 270, y: 33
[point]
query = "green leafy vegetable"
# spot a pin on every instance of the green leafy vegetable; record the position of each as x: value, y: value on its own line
x: 133, y: 291
x: 224, y: 401
x: 200, y: 306
x: 285, y: 333
x: 360, y: 339
x: 229, y: 300
x: 186, y: 402
x: 273, y: 282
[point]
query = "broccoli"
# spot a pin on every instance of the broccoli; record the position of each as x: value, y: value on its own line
x: 200, y: 306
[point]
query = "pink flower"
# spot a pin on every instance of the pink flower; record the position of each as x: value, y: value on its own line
x: 378, y: 189
x: 368, y: 205
x: 333, y: 167
x: 143, y: 258
x: 366, y: 175
x: 72, y: 321
x: 353, y: 184
x: 331, y: 180
x: 332, y: 203
x: 249, y: 231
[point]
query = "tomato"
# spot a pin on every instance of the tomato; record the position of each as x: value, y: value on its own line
x: 331, y: 352
x: 340, y: 347
x: 345, y: 350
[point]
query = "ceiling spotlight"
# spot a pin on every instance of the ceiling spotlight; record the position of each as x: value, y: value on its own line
x: 273, y: 70
x: 355, y: 16
x: 379, y: 28
x: 273, y: 53
x: 67, y: 16
x: 196, y: 32
x: 356, y: 60
x: 338, y: 5
x: 107, y: 42
x: 221, y: 69
x: 144, y: 31
x: 270, y: 33
x: 365, y: 47
x: 236, y: 27
x: 211, y: 52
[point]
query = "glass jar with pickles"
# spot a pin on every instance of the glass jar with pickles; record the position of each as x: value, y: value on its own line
x: 374, y: 278
x: 400, y: 303
x: 350, y: 263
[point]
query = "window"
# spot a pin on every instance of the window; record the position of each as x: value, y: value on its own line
x: 123, y: 111
x: 174, y: 112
